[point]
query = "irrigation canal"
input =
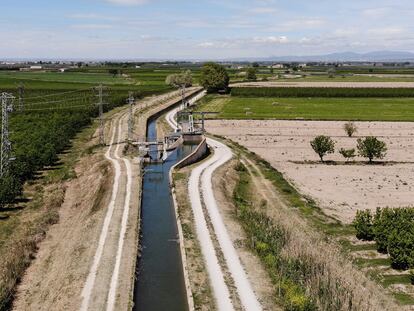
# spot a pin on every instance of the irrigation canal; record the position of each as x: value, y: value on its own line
x: 160, y: 283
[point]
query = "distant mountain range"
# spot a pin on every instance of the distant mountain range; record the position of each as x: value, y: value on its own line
x: 378, y: 56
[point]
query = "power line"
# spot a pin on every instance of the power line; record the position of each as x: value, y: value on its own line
x: 5, y: 153
x: 56, y: 101
x: 61, y: 93
x: 63, y: 107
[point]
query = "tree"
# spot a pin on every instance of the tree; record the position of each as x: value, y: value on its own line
x: 383, y: 223
x: 255, y: 65
x: 401, y: 247
x: 181, y: 79
x: 251, y: 74
x: 363, y: 224
x: 331, y: 72
x: 347, y: 153
x: 113, y: 72
x: 10, y: 187
x: 350, y: 128
x: 323, y: 145
x: 214, y: 77
x: 370, y: 147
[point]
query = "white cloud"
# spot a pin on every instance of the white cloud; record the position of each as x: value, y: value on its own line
x: 386, y: 31
x: 376, y: 12
x: 271, y: 39
x: 263, y: 10
x: 206, y: 44
x: 92, y: 26
x: 127, y: 2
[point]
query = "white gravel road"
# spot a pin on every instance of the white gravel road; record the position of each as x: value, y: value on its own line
x: 200, y: 189
x: 222, y: 154
x: 90, y: 281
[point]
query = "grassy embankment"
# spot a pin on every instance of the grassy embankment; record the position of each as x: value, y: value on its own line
x: 306, y: 265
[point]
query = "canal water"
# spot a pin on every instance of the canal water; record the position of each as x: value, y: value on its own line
x: 160, y: 283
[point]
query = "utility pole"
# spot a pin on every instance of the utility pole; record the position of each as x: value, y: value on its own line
x: 130, y: 101
x: 5, y: 156
x: 21, y: 95
x: 183, y: 97
x: 101, y: 119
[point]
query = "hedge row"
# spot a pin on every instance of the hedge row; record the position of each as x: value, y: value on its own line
x: 38, y: 135
x: 393, y: 231
x: 320, y: 92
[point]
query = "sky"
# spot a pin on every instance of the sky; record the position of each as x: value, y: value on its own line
x: 201, y: 29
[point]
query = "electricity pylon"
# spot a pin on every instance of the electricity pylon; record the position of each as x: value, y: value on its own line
x: 5, y: 156
x: 130, y: 101
x: 100, y: 104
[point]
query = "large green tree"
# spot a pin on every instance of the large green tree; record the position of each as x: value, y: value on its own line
x: 214, y: 78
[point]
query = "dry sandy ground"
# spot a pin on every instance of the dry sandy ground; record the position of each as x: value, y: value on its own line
x: 340, y: 190
x: 328, y: 84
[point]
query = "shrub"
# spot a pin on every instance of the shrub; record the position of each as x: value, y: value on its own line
x: 350, y: 128
x: 401, y: 238
x: 180, y: 79
x: 411, y: 274
x: 401, y: 248
x: 251, y: 74
x: 10, y: 188
x: 383, y: 221
x: 347, y: 153
x: 364, y: 225
x: 370, y: 147
x: 323, y: 145
x: 393, y: 232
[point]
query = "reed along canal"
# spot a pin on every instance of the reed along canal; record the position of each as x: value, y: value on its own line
x: 160, y: 282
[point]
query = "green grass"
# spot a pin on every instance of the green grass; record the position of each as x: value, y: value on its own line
x: 372, y: 262
x: 67, y: 77
x: 403, y: 298
x: 395, y: 279
x: 363, y: 109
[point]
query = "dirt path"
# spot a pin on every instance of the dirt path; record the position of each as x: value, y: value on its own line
x: 90, y: 281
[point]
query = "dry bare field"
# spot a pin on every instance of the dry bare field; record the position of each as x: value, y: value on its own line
x: 340, y: 190
x: 327, y: 84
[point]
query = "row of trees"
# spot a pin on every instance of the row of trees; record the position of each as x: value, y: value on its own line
x: 393, y: 231
x: 213, y: 77
x: 369, y: 147
x: 39, y: 136
x: 321, y: 92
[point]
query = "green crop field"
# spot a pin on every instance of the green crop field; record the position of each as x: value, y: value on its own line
x: 364, y: 109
